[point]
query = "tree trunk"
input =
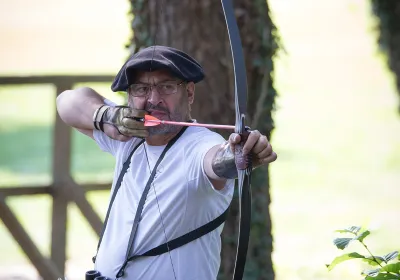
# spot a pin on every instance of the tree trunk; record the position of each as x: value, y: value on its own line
x: 388, y: 13
x: 198, y: 28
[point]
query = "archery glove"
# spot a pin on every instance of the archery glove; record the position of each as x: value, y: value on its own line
x: 128, y: 121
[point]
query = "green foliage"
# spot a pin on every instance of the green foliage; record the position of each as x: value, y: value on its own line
x: 388, y: 265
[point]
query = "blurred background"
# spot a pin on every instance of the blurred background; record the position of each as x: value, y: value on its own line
x: 337, y: 128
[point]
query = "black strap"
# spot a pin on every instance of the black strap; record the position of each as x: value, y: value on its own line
x: 146, y: 191
x: 117, y: 186
x: 186, y: 238
x: 177, y: 242
x: 143, y: 200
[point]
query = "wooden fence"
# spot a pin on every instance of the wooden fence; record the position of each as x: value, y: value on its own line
x: 63, y: 188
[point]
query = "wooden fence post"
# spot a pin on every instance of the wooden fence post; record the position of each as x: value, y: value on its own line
x: 61, y: 176
x: 45, y: 267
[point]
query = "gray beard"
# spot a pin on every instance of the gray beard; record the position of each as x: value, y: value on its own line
x: 166, y: 128
x: 163, y: 129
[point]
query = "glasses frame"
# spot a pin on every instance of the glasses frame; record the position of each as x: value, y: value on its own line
x: 151, y: 86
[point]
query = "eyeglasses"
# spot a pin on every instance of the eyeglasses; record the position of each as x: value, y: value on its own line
x: 164, y: 88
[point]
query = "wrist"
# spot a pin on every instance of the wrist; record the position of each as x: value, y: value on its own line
x: 98, y: 116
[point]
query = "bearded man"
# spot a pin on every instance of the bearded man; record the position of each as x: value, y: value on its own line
x: 172, y: 184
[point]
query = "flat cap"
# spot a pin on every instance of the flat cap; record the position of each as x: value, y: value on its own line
x: 153, y: 58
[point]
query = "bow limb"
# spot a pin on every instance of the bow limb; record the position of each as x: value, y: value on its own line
x: 242, y: 162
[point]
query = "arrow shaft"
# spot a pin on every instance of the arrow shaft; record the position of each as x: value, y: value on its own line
x: 219, y: 126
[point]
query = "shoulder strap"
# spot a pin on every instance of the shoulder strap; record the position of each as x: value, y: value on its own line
x: 143, y: 200
x: 146, y: 191
x: 117, y: 186
x: 186, y: 238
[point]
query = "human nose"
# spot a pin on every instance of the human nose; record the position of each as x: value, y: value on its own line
x: 154, y: 95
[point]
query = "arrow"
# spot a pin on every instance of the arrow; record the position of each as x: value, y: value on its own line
x: 153, y: 121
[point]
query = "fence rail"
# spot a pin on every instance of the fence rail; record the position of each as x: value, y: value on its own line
x: 63, y: 188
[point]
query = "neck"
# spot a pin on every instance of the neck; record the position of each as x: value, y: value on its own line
x: 160, y: 139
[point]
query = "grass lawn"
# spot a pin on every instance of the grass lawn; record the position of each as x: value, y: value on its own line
x: 337, y: 134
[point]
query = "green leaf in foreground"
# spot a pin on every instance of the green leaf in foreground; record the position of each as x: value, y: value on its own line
x: 388, y: 272
x: 390, y: 256
x: 371, y: 272
x: 362, y: 236
x: 343, y: 258
x: 374, y: 261
x: 352, y: 229
x: 382, y: 276
x: 392, y: 268
x: 342, y: 243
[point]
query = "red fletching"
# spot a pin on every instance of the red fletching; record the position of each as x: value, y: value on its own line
x: 151, y: 121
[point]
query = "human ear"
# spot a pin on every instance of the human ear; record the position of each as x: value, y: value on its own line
x: 190, y: 89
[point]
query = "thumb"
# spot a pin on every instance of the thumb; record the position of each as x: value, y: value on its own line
x: 234, y: 138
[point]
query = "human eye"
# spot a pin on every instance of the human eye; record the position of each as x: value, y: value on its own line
x: 167, y: 88
x: 140, y: 89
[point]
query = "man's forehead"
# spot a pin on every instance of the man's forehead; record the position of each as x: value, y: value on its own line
x: 156, y: 75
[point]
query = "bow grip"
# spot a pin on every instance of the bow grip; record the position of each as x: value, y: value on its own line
x: 242, y: 161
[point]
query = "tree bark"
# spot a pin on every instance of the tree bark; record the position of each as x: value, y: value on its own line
x: 388, y: 14
x: 198, y: 28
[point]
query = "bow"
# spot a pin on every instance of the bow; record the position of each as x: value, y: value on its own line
x: 242, y: 163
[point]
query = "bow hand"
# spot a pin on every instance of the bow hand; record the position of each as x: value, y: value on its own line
x: 252, y: 149
x: 238, y: 144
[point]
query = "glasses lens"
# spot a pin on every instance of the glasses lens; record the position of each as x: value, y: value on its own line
x: 139, y: 89
x: 162, y: 89
x: 167, y: 88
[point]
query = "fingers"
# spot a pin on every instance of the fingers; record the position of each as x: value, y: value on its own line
x: 132, y: 127
x: 258, y: 145
x: 122, y: 133
x: 262, y: 148
x: 255, y: 141
x: 142, y: 133
x: 129, y: 112
x: 272, y: 157
x: 252, y: 143
x: 234, y: 139
x: 130, y: 123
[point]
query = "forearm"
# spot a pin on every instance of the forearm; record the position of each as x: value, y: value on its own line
x: 76, y: 107
x: 219, y: 165
x: 220, y: 162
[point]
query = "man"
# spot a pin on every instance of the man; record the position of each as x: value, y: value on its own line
x: 188, y: 172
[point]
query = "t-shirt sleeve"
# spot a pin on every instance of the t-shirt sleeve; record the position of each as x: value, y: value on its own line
x: 105, y: 143
x: 195, y: 158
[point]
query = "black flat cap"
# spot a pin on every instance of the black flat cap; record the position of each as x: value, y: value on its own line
x: 153, y: 58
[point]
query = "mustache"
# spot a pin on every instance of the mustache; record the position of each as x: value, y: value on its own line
x: 150, y: 107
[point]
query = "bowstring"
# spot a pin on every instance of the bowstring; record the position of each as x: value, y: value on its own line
x: 147, y: 158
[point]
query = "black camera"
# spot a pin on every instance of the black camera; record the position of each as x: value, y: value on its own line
x: 95, y: 275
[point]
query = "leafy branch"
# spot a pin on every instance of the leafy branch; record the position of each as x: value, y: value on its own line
x: 385, y: 267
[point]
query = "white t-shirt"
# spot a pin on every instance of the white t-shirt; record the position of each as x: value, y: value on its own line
x: 183, y: 195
